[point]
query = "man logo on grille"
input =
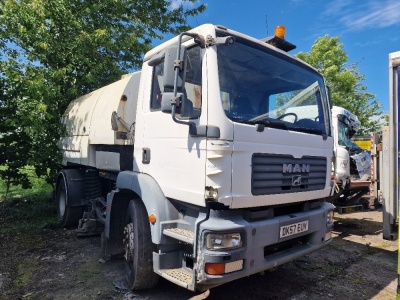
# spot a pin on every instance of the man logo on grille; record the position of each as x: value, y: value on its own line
x: 296, y: 168
x: 296, y: 180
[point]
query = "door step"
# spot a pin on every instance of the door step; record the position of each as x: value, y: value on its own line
x: 180, y: 234
x: 180, y: 277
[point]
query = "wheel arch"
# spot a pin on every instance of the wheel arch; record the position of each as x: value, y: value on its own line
x: 131, y: 185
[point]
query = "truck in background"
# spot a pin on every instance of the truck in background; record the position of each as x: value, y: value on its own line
x: 202, y: 177
x: 390, y: 159
x: 387, y: 144
x: 364, y: 142
x: 353, y: 164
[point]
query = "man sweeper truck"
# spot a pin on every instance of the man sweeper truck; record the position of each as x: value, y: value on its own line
x: 203, y: 175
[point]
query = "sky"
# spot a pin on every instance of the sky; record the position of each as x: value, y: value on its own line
x: 369, y: 29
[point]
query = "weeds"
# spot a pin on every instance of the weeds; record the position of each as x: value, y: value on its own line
x: 27, y: 210
x: 369, y: 250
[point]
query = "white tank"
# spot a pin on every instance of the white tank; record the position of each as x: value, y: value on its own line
x: 90, y: 138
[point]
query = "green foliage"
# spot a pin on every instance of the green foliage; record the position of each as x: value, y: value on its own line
x: 37, y: 185
x: 27, y: 210
x: 52, y: 51
x: 346, y: 83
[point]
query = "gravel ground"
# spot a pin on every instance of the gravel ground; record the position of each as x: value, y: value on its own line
x: 55, y: 264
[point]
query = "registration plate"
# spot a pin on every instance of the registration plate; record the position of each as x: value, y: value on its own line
x: 293, y: 229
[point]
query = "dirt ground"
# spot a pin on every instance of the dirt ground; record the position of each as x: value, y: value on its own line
x: 55, y: 264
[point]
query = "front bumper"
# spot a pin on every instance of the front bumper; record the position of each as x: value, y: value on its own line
x: 263, y: 248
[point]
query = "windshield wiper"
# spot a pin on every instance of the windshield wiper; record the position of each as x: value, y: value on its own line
x: 272, y: 123
x: 307, y: 130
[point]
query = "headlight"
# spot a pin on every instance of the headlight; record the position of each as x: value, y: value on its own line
x: 329, y: 218
x: 223, y: 241
x: 329, y: 225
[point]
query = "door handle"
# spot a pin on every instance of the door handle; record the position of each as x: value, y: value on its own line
x: 146, y: 156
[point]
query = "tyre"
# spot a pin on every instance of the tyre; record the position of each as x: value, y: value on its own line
x: 377, y: 203
x: 138, y: 248
x: 68, y: 216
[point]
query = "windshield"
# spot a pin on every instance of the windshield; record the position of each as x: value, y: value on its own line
x: 258, y: 86
x: 343, y: 133
x: 344, y: 138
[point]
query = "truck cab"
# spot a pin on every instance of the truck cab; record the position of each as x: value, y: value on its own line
x: 353, y: 164
x: 238, y: 95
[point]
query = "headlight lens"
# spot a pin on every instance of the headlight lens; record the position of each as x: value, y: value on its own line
x: 329, y: 225
x: 223, y: 241
x: 329, y: 217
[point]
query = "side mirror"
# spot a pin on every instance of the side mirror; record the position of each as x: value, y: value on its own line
x: 171, y: 64
x: 225, y: 41
x: 114, y: 121
x: 168, y: 98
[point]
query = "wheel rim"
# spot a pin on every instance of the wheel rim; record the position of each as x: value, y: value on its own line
x: 62, y: 202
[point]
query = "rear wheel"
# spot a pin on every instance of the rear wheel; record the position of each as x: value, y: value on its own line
x: 67, y: 216
x: 138, y: 248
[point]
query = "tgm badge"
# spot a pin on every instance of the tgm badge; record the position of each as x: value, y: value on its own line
x: 296, y: 180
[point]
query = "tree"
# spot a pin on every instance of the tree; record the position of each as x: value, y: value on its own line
x: 346, y: 82
x: 13, y: 140
x: 52, y: 51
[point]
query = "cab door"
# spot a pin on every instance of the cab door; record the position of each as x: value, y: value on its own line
x: 174, y: 158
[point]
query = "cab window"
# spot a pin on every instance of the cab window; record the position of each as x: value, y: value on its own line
x: 192, y: 87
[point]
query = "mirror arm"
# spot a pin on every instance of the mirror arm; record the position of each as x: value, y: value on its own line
x: 178, y: 64
x: 114, y: 125
x: 173, y: 113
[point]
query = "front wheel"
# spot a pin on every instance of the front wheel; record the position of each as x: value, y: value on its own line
x: 138, y: 248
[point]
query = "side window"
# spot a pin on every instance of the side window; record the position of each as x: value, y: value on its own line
x: 156, y: 92
x: 192, y: 107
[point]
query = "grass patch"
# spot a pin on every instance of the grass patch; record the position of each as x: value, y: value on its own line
x: 89, y: 273
x: 39, y: 185
x: 305, y: 265
x: 26, y: 272
x: 337, y: 271
x: 369, y: 250
x: 27, y: 210
x: 383, y: 246
x: 28, y: 214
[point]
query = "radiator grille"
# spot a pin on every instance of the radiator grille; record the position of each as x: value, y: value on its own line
x: 280, y: 174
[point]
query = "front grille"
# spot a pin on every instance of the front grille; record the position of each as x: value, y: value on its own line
x: 307, y: 173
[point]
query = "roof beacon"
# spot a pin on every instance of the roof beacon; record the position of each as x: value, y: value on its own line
x: 278, y: 40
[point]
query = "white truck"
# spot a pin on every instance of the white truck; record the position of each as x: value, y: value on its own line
x: 387, y: 145
x: 353, y: 164
x: 201, y: 177
x: 389, y: 176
